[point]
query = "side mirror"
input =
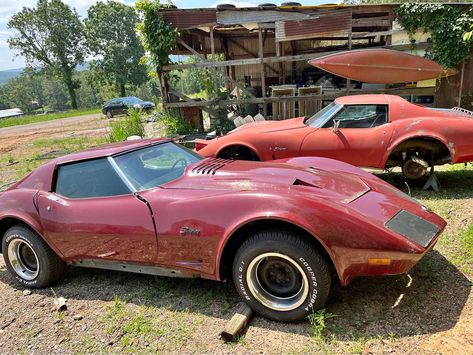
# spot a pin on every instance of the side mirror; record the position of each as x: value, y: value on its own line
x: 336, y: 123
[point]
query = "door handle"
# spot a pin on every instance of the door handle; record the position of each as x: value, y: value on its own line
x: 48, y: 208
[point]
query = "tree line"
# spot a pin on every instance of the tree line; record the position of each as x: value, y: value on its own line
x: 54, y: 41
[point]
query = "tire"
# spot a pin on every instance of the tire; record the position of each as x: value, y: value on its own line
x: 281, y: 276
x: 109, y: 114
x: 29, y: 259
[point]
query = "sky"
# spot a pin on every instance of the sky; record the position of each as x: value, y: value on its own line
x: 10, y: 60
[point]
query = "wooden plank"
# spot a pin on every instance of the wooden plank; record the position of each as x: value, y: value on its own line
x: 243, y: 48
x: 263, y: 76
x: 212, y: 42
x: 282, y: 59
x: 237, y: 323
x: 325, y: 97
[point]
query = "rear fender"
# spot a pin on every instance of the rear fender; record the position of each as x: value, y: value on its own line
x: 416, y: 135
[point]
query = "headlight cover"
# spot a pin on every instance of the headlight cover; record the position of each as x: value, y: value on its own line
x: 413, y: 227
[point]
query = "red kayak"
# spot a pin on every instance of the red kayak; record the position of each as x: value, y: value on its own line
x: 380, y: 66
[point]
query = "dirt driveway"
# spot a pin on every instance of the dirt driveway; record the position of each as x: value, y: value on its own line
x: 429, y: 310
x: 13, y: 137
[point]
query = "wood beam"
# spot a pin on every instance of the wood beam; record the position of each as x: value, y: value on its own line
x: 282, y: 59
x: 325, y: 97
x: 243, y: 48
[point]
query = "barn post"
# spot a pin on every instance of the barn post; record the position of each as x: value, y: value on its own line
x: 263, y: 78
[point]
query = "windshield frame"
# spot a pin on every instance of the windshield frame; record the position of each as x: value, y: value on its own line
x: 319, y: 122
x: 126, y: 180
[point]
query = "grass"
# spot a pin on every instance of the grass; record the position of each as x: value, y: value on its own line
x: 318, y: 322
x: 127, y: 126
x: 18, y: 121
x: 44, y: 149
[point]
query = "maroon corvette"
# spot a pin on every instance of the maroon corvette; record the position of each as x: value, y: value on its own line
x: 284, y: 231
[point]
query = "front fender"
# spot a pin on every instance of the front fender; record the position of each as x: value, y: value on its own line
x: 325, y: 164
x: 280, y: 216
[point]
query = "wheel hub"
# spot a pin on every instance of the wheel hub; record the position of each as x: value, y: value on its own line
x: 277, y: 281
x: 23, y: 259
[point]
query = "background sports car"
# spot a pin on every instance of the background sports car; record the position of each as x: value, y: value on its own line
x: 283, y: 230
x: 377, y: 131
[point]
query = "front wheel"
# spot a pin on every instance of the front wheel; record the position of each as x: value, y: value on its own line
x: 109, y: 114
x: 281, y: 276
x: 29, y: 259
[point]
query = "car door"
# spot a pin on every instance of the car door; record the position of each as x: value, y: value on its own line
x: 361, y: 139
x: 92, y: 214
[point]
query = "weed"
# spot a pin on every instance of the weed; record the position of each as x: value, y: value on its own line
x: 356, y: 347
x: 127, y: 126
x: 318, y: 322
x: 173, y: 123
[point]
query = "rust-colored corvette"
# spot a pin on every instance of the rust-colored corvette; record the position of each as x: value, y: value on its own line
x: 283, y: 230
x: 376, y: 131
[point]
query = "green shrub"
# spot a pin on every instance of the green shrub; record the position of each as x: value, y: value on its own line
x: 127, y: 126
x: 173, y: 123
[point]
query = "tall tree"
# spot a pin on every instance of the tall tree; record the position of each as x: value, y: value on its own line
x: 110, y: 32
x: 50, y: 37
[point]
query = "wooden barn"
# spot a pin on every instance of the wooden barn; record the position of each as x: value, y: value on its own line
x: 264, y: 51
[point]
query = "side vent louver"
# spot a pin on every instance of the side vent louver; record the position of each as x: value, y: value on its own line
x: 210, y: 167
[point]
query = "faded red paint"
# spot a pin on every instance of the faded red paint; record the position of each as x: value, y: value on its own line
x: 350, y: 228
x: 366, y: 147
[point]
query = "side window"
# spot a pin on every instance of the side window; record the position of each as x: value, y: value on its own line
x: 360, y: 116
x: 92, y: 178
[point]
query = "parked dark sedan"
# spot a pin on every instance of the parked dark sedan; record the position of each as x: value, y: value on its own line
x: 121, y: 105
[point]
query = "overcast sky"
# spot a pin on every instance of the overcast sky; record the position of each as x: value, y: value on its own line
x: 8, y: 59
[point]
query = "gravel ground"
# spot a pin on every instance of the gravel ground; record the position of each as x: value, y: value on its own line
x: 429, y: 310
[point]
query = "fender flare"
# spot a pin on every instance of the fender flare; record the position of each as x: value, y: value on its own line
x: 295, y: 222
x: 429, y: 135
x: 31, y: 223
x: 238, y: 143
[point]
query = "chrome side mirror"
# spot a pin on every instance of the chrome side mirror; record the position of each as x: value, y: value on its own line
x: 336, y: 123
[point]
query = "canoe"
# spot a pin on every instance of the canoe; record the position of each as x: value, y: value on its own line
x: 379, y: 66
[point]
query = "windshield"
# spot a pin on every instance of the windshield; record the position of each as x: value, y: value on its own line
x: 155, y: 165
x: 320, y: 117
x: 131, y: 100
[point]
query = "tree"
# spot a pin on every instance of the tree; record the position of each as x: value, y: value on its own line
x: 110, y: 33
x: 50, y: 37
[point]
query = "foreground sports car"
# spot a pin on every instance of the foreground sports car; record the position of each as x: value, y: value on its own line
x: 283, y: 230
x: 377, y: 131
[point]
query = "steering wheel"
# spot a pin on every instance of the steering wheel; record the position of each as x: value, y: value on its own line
x: 182, y: 161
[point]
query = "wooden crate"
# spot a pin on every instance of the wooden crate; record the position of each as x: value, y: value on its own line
x: 283, y: 109
x: 309, y: 107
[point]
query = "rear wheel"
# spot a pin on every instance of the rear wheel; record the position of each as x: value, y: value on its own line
x: 281, y: 276
x: 415, y: 168
x: 29, y: 259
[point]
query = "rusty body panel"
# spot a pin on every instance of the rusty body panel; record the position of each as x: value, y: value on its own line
x: 447, y: 132
x: 334, y: 23
x: 382, y: 66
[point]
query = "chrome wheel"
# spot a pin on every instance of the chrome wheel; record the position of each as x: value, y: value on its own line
x: 277, y: 281
x: 23, y: 259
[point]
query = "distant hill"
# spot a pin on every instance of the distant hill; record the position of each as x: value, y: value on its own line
x: 6, y: 75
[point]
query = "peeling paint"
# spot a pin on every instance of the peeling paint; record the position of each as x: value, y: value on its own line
x: 420, y: 131
x: 412, y: 124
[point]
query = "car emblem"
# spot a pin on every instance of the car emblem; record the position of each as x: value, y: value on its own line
x: 189, y: 231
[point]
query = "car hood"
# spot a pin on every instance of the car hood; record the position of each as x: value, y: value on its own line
x: 271, y: 126
x: 231, y: 175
